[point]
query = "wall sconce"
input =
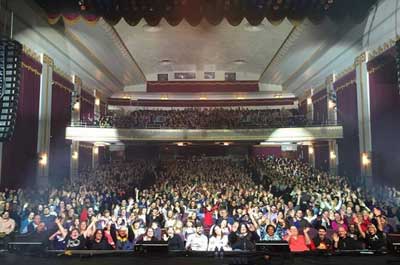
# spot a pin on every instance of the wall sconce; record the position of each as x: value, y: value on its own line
x: 97, y: 102
x: 43, y: 159
x: 95, y: 150
x: 77, y: 106
x: 332, y: 155
x: 365, y: 160
x: 75, y: 155
x: 310, y: 150
x: 331, y: 104
x: 309, y: 101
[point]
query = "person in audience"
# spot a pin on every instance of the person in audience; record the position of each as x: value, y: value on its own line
x: 99, y: 241
x: 218, y: 241
x: 341, y: 241
x: 175, y: 241
x: 197, y: 241
x: 321, y: 241
x: 272, y: 233
x: 241, y: 238
x: 298, y: 243
x: 7, y: 227
x: 374, y: 239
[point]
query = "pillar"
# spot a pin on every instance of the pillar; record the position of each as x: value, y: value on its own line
x: 75, y: 119
x: 43, y: 144
x: 364, y: 115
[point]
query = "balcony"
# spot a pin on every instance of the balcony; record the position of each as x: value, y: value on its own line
x: 293, y: 134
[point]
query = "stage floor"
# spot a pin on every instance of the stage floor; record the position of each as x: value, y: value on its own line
x: 15, y: 258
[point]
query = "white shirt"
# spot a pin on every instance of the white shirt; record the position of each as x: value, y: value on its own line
x: 197, y: 242
x: 218, y: 242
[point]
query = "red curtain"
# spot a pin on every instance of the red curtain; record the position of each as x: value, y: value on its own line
x: 202, y: 86
x: 385, y: 121
x: 85, y: 156
x: 320, y: 102
x: 321, y: 152
x: 266, y: 151
x: 347, y: 114
x: 303, y: 107
x: 103, y: 108
x: 60, y: 148
x: 20, y: 152
x: 87, y: 107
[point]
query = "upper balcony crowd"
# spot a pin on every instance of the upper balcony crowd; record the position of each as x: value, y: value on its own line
x: 207, y: 118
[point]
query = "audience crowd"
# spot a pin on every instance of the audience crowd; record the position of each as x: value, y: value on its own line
x: 202, y: 204
x: 199, y: 118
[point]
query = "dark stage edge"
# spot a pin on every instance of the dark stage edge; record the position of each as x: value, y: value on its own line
x: 15, y: 258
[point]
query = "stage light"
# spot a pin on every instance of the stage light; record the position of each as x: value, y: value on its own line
x: 43, y: 159
x: 310, y: 150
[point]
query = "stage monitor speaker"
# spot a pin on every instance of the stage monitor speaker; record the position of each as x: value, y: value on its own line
x: 10, y: 69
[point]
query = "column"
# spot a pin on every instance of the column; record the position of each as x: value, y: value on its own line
x: 364, y: 115
x: 333, y: 157
x: 43, y: 145
x: 332, y: 110
x: 75, y: 118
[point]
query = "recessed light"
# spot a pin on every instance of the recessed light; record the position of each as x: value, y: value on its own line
x: 239, y: 62
x: 151, y: 29
x: 166, y: 62
x: 250, y: 28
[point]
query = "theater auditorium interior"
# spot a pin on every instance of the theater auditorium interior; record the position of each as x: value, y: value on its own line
x: 199, y: 132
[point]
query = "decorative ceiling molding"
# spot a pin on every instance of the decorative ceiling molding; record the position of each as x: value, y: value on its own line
x: 114, y: 36
x: 294, y: 34
x: 92, y: 57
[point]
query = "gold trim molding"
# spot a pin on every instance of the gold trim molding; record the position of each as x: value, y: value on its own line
x: 362, y: 58
x: 31, y: 53
x: 77, y: 81
x: 47, y: 60
x: 63, y: 74
x: 31, y: 69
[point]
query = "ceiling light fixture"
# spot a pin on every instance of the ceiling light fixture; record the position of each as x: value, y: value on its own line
x: 151, y: 29
x: 239, y: 62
